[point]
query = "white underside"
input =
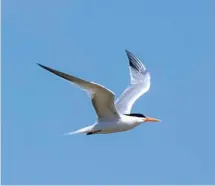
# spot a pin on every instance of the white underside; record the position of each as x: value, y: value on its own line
x: 109, y: 113
x: 123, y: 123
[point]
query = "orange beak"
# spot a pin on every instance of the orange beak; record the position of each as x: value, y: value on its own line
x: 148, y: 119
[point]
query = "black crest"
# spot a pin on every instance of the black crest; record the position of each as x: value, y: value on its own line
x: 136, y: 115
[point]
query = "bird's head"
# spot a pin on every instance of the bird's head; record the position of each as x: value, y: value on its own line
x: 143, y: 118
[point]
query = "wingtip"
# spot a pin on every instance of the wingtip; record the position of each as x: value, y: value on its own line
x: 129, y: 54
x: 45, y: 67
x: 40, y: 65
x: 135, y: 62
x: 127, y: 51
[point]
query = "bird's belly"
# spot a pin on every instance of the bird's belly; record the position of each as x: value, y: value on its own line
x: 113, y: 127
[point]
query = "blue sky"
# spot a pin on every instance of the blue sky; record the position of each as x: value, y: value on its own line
x: 175, y: 39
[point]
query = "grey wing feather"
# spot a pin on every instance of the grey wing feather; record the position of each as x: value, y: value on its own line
x: 102, y: 98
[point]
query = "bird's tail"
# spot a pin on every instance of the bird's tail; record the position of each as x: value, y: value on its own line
x: 84, y: 130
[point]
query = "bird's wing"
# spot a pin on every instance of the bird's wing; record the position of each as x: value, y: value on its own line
x: 102, y: 98
x: 140, y: 84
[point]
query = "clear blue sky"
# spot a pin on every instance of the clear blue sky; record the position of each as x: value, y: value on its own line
x: 175, y: 39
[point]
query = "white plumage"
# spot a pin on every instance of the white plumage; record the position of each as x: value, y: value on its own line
x: 114, y: 117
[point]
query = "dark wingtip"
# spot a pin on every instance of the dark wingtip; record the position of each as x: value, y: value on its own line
x: 128, y: 53
x: 131, y: 57
x: 134, y: 62
x: 40, y: 65
x: 46, y: 68
x: 56, y: 72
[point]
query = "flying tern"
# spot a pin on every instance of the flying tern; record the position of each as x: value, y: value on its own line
x: 114, y: 116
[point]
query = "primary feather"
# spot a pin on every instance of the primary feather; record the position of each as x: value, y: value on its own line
x: 140, y: 84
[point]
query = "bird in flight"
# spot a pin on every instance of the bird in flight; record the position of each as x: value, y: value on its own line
x: 114, y: 116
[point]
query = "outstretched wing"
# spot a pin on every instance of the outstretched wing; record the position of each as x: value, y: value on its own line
x: 102, y: 98
x: 140, y: 84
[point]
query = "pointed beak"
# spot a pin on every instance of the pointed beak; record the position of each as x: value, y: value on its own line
x: 148, y: 119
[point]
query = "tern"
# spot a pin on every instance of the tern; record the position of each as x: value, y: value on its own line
x: 114, y: 116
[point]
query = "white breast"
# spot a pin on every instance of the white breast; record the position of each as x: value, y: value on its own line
x: 122, y: 124
x: 131, y: 120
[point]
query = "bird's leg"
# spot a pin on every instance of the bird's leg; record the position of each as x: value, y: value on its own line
x: 94, y: 132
